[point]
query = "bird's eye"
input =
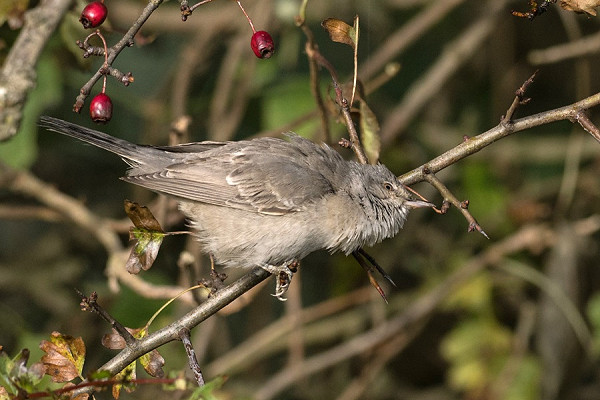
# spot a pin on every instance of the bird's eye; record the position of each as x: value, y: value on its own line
x: 388, y: 186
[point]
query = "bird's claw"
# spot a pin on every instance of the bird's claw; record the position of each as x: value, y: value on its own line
x: 284, y: 278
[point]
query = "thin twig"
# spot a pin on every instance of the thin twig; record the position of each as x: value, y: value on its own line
x: 315, y: 80
x: 461, y: 205
x: 90, y: 303
x: 184, y: 335
x: 519, y: 99
x: 342, y: 103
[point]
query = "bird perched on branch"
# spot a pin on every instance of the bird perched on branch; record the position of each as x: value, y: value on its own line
x: 265, y: 202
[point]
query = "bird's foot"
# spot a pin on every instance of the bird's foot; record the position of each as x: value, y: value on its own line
x: 284, y: 274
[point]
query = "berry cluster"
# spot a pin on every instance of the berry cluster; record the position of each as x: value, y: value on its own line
x: 95, y: 13
x: 92, y: 16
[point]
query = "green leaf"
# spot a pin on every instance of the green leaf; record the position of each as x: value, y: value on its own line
x: 206, y: 392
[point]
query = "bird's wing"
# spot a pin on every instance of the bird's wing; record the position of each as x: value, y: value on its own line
x: 264, y: 176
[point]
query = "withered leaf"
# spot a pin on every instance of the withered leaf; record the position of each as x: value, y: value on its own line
x: 141, y: 216
x: 148, y: 235
x: 581, y: 6
x: 153, y: 363
x: 340, y: 32
x: 64, y: 357
x: 145, y: 250
x: 115, y: 341
x: 369, y: 133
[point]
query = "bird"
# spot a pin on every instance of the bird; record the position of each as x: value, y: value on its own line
x: 265, y: 202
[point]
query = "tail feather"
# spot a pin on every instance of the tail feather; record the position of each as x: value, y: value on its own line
x: 132, y: 153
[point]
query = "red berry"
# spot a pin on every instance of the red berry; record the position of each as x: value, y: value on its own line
x: 262, y: 44
x: 101, y: 108
x: 93, y: 15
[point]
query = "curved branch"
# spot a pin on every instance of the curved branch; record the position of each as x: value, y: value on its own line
x: 171, y: 332
x: 472, y: 145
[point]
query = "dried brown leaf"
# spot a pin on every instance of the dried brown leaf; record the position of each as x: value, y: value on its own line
x: 581, y: 6
x: 153, y: 363
x: 340, y: 32
x: 64, y: 357
x: 141, y: 216
x: 115, y: 341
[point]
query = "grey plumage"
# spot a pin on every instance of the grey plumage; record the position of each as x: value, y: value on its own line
x: 265, y: 202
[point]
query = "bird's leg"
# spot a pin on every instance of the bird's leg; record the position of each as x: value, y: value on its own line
x: 216, y: 278
x: 284, y: 274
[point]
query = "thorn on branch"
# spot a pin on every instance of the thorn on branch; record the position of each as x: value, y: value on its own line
x: 474, y: 226
x: 450, y: 198
x: 520, y: 92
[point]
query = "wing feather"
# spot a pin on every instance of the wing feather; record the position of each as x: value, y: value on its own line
x: 268, y: 176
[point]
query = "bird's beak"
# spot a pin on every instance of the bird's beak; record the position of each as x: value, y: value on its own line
x: 418, y: 203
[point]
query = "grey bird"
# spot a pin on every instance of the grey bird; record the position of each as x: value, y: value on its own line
x: 265, y: 202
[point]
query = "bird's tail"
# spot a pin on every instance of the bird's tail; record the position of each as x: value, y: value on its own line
x: 132, y: 153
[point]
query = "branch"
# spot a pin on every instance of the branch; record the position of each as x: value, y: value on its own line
x: 472, y: 145
x: 113, y: 52
x: 578, y: 48
x: 172, y: 332
x: 18, y: 75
